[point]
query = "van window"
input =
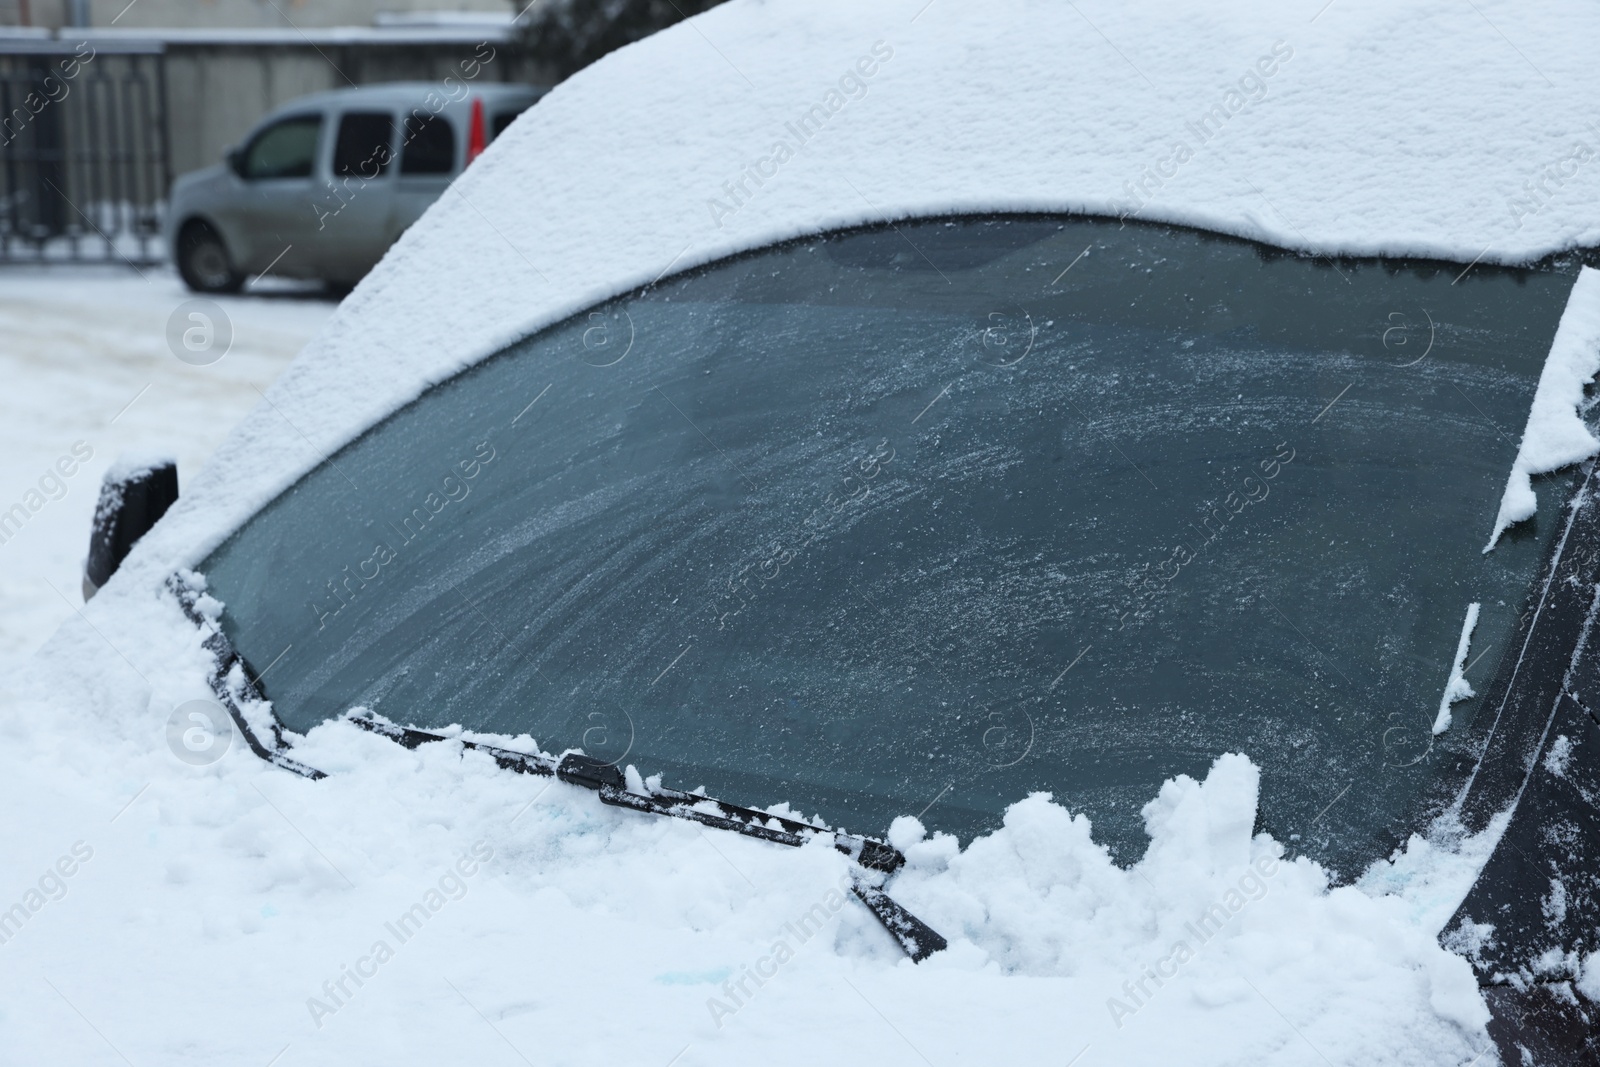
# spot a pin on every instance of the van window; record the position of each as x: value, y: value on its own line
x: 364, y: 145
x: 502, y: 119
x: 430, y: 146
x: 285, y: 149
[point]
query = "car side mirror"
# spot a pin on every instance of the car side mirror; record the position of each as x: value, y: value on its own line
x: 235, y: 160
x: 132, y: 500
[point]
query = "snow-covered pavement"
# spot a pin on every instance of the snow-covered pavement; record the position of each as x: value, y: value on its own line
x: 85, y: 363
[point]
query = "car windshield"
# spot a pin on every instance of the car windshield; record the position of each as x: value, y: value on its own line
x: 923, y: 518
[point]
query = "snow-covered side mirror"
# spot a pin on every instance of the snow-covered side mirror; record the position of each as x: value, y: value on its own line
x: 133, y: 498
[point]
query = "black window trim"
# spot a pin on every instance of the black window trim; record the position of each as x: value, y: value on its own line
x: 1547, y: 682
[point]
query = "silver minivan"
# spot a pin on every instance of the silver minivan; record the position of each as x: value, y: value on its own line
x: 321, y: 187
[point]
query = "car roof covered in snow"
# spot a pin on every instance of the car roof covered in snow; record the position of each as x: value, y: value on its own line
x: 1356, y: 129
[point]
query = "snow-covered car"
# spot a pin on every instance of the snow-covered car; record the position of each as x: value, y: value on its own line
x: 321, y: 187
x: 1030, y: 527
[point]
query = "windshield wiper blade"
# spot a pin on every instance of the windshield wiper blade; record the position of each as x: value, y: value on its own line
x: 234, y: 691
x: 915, y: 937
x: 868, y: 855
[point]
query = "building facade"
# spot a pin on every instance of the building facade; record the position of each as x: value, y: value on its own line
x: 232, y: 14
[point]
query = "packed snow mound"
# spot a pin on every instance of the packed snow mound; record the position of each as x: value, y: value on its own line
x: 460, y: 893
x: 1430, y: 129
x: 1210, y: 922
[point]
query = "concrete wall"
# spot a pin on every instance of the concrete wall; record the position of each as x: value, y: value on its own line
x: 277, y: 14
x: 234, y: 14
x: 50, y: 14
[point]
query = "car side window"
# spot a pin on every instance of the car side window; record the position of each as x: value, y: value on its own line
x: 430, y: 145
x: 286, y: 149
x: 364, y: 145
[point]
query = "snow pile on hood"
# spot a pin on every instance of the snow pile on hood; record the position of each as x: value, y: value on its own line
x: 425, y: 906
x: 1211, y: 928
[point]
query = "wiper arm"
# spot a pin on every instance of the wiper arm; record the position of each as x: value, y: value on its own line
x: 915, y: 937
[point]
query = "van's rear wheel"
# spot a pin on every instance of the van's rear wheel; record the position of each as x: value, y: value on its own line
x: 203, y: 260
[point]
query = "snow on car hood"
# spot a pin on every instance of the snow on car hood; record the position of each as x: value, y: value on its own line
x: 233, y: 913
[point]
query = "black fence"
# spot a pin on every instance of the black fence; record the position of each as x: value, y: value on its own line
x: 84, y: 158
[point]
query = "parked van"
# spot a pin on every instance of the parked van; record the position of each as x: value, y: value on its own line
x: 324, y: 185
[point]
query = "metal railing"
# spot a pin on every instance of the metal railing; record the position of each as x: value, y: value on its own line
x: 84, y: 155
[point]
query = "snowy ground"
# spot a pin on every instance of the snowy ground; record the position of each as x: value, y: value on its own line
x: 84, y: 358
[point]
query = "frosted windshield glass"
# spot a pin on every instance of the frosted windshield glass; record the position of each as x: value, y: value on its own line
x: 936, y: 516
